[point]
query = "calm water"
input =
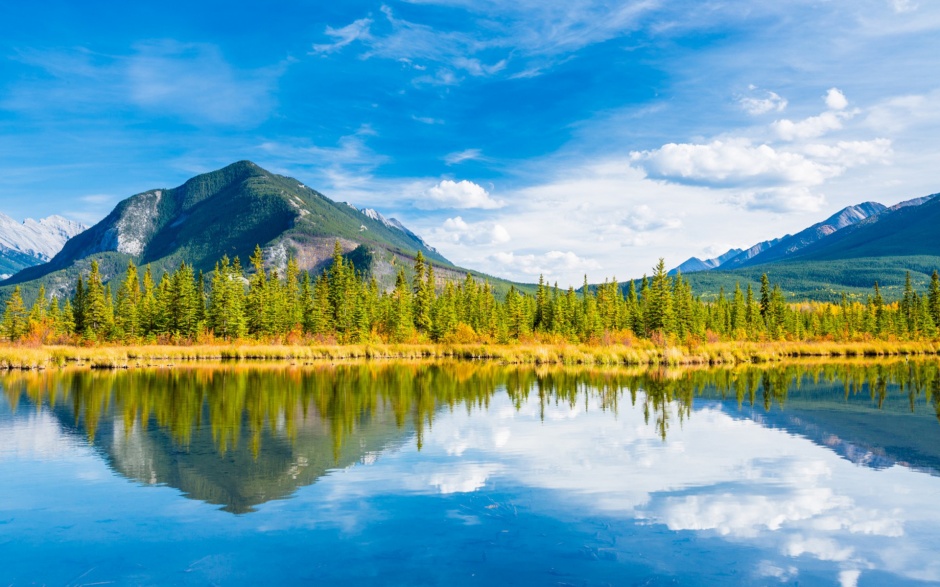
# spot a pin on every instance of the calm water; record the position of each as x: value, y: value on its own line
x: 461, y: 474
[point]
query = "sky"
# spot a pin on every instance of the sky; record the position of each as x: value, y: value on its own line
x: 553, y: 137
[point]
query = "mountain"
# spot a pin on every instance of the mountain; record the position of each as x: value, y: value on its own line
x: 31, y: 242
x: 694, y: 264
x: 906, y: 229
x: 228, y: 212
x: 790, y: 246
x: 847, y: 253
x: 780, y: 248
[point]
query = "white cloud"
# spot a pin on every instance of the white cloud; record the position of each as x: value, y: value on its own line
x: 189, y: 81
x: 458, y: 194
x: 852, y: 153
x: 835, y: 99
x: 476, y: 68
x: 461, y: 156
x: 808, y: 128
x: 356, y: 30
x: 901, y: 6
x: 780, y: 200
x: 195, y: 82
x: 548, y: 264
x: 817, y: 126
x: 456, y: 230
x: 766, y: 102
x: 642, y: 218
x: 731, y: 162
x: 531, y: 32
x: 426, y: 119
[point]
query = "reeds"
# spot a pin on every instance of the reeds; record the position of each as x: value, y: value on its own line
x: 637, y: 353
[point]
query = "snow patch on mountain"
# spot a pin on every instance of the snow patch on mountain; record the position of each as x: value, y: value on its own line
x: 41, y: 239
x: 395, y: 224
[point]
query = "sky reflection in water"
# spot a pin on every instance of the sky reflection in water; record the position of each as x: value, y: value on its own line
x: 471, y: 474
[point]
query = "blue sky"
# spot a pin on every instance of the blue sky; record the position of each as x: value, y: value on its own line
x: 526, y: 137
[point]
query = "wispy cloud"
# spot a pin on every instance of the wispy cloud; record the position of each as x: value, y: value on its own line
x: 533, y: 33
x: 458, y: 157
x: 356, y: 30
x: 191, y: 82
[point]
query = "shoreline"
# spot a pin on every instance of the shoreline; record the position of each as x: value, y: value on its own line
x: 640, y: 355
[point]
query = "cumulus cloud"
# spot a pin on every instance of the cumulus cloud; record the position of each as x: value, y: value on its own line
x: 729, y: 163
x: 808, y: 128
x: 817, y: 126
x: 835, y: 99
x: 458, y: 194
x: 763, y: 102
x: 550, y: 263
x: 458, y: 231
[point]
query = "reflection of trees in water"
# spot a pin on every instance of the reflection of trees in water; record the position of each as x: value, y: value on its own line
x: 240, y: 435
x: 243, y: 401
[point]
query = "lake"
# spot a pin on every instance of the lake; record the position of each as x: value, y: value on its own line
x: 398, y: 473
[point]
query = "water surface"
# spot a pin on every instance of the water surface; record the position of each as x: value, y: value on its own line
x: 471, y: 474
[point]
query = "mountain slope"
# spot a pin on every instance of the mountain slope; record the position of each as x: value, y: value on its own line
x: 228, y: 212
x: 791, y: 246
x: 882, y: 247
x: 32, y: 242
x: 907, y: 229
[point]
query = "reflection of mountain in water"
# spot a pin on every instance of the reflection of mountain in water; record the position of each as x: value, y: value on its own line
x: 868, y: 436
x: 249, y: 440
x: 882, y: 421
x: 239, y: 478
x: 239, y: 436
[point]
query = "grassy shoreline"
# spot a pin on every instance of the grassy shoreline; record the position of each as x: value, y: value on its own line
x: 720, y: 353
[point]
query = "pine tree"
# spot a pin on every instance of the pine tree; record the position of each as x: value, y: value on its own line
x: 96, y: 315
x: 764, y: 296
x: 15, y: 317
x: 933, y: 298
x: 256, y: 304
x: 127, y: 317
x: 146, y: 313
x: 78, y: 306
x: 660, y: 315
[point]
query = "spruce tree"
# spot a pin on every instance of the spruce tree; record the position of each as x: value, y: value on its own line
x: 127, y: 317
x: 15, y: 317
x: 933, y: 298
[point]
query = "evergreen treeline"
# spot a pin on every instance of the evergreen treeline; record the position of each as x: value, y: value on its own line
x: 340, y: 305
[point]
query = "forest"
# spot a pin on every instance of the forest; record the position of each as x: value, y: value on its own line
x: 343, y: 306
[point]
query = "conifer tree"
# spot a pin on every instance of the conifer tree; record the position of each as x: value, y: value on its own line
x: 256, y: 304
x: 15, y: 317
x: 127, y: 318
x: 96, y: 314
x: 147, y: 312
x: 933, y: 298
x: 660, y: 314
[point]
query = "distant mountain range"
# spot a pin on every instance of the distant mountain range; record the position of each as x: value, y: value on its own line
x: 788, y: 246
x: 228, y: 212
x: 849, y: 251
x: 31, y: 242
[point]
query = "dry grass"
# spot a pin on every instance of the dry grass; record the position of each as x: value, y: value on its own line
x: 638, y: 353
